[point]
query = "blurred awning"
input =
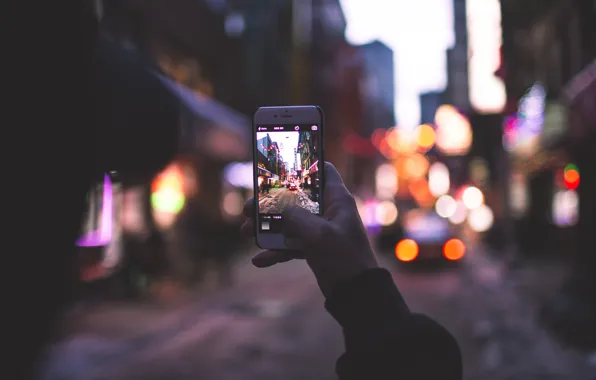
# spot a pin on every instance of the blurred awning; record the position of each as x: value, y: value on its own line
x: 580, y: 95
x: 210, y: 126
x: 581, y: 83
x: 265, y: 172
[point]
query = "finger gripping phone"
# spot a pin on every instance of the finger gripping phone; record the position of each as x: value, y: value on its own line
x: 288, y: 168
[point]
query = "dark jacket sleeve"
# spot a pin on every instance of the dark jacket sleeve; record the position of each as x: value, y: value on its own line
x: 384, y: 340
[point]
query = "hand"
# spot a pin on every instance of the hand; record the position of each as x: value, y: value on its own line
x: 336, y: 245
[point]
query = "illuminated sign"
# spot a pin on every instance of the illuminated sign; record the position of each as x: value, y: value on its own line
x: 487, y: 91
x: 522, y: 130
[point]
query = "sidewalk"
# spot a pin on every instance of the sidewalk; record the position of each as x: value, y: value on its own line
x: 501, y: 333
x: 113, y: 336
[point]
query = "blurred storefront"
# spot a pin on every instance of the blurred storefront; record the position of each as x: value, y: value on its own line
x: 201, y: 228
x: 580, y: 95
x: 192, y: 210
x: 547, y: 52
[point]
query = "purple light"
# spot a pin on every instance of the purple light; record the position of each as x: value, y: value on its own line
x: 102, y: 236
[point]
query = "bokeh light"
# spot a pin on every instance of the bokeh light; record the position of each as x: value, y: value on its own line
x: 232, y: 204
x: 454, y: 250
x: 406, y: 250
x: 401, y: 141
x: 167, y: 196
x: 571, y: 177
x: 460, y: 214
x: 386, y: 213
x: 426, y: 136
x: 438, y: 179
x: 386, y: 181
x: 416, y: 166
x: 472, y: 197
x: 445, y: 206
x: 481, y: 219
x: 454, y: 133
x: 565, y: 208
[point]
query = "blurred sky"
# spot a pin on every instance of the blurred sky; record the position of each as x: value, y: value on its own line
x: 419, y: 32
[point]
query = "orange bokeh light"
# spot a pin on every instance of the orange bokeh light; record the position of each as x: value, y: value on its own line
x: 421, y: 193
x: 378, y: 136
x: 416, y: 166
x: 571, y: 177
x: 426, y: 136
x: 172, y: 177
x: 406, y: 250
x: 454, y: 250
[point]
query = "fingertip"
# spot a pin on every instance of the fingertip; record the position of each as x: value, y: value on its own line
x: 332, y: 175
x: 264, y: 259
x: 260, y: 263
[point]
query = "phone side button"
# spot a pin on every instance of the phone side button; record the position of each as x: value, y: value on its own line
x: 293, y: 243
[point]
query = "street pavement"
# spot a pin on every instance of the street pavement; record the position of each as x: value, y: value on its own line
x: 277, y: 200
x: 271, y: 325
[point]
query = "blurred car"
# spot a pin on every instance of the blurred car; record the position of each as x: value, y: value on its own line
x: 426, y: 237
x: 292, y: 187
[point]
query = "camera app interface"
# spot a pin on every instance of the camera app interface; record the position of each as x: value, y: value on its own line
x: 288, y: 171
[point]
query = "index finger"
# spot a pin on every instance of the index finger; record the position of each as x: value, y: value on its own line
x: 335, y: 189
x: 249, y: 208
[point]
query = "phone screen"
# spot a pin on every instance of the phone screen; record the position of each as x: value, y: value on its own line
x: 288, y: 171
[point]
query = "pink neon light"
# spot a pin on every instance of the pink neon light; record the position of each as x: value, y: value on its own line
x: 103, y: 235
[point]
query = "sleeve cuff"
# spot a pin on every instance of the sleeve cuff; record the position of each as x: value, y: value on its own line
x: 366, y: 307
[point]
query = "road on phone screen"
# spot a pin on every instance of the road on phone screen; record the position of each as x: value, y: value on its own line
x: 278, y: 199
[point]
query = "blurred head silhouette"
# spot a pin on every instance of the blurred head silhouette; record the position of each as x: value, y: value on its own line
x: 104, y: 109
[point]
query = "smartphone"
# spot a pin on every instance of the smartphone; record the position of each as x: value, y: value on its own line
x: 288, y: 168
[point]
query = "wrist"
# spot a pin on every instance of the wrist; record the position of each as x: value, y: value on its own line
x: 332, y: 277
x: 367, y: 308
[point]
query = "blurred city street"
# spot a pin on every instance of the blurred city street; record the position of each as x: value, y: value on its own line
x: 463, y: 130
x: 271, y: 324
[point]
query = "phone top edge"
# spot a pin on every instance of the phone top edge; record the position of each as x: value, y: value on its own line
x: 288, y: 115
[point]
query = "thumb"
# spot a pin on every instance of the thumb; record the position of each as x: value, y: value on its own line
x: 268, y: 258
x: 304, y: 225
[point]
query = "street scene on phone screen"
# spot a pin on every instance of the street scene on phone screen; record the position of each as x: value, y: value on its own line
x: 287, y: 171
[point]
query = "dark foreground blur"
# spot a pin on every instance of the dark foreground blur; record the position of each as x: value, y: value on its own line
x: 271, y: 325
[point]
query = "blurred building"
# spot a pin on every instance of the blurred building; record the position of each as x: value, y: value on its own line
x: 378, y: 83
x: 291, y: 54
x: 307, y: 149
x: 267, y: 158
x: 457, y: 60
x: 429, y: 103
x: 263, y: 30
x: 377, y: 106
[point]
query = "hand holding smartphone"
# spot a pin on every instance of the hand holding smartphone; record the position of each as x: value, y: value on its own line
x: 288, y: 168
